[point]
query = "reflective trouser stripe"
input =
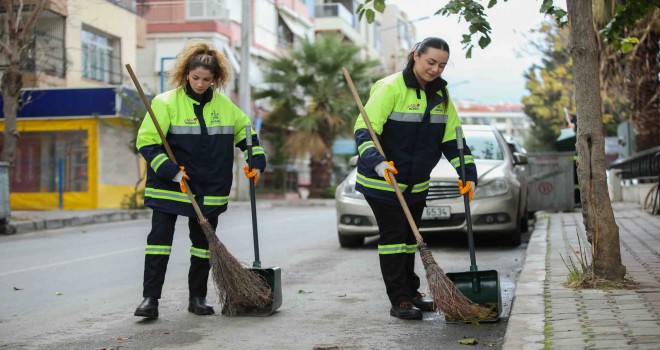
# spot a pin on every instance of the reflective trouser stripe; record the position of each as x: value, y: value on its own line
x: 158, y: 250
x: 200, y: 253
x: 397, y: 249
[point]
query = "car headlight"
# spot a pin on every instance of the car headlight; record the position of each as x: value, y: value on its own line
x: 347, y: 189
x: 494, y: 188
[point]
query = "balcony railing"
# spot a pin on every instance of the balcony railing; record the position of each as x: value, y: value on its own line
x: 336, y: 10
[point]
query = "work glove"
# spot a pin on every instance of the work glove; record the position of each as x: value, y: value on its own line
x: 384, y: 169
x: 251, y: 174
x: 181, y: 175
x: 468, y: 188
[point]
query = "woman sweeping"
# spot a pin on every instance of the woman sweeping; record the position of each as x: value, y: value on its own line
x: 202, y: 127
x: 415, y: 122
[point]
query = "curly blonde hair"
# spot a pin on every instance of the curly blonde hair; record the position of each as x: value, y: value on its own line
x: 200, y: 54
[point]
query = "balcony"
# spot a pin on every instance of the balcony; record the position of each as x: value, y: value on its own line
x: 47, y: 53
x: 336, y: 17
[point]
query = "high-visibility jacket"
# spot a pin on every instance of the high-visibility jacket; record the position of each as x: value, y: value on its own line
x: 202, y: 135
x: 414, y: 128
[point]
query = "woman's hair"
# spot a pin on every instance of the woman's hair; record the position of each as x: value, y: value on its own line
x: 200, y: 54
x: 423, y: 46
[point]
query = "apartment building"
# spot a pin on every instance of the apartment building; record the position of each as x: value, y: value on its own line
x: 72, y: 152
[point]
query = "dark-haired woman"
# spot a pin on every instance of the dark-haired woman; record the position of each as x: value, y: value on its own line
x: 415, y: 121
x: 202, y: 128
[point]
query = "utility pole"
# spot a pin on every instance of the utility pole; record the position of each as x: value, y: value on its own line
x: 244, y: 97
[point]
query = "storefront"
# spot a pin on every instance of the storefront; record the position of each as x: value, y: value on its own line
x: 73, y: 152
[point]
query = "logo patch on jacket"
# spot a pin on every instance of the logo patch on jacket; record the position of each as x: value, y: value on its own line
x: 413, y: 107
x: 215, y: 118
x: 190, y: 121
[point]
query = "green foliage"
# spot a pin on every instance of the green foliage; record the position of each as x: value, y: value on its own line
x: 309, y: 95
x: 133, y: 200
x: 627, y: 14
x: 329, y: 192
x: 311, y: 102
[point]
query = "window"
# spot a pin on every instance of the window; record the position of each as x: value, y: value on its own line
x: 377, y: 42
x: 101, y: 57
x: 206, y: 9
x: 284, y: 33
x: 41, y: 156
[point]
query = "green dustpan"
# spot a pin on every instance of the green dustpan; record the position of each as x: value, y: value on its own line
x: 272, y: 275
x: 481, y: 287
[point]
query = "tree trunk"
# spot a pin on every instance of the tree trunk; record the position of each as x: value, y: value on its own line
x: 601, y: 228
x: 11, y: 85
x: 321, y: 172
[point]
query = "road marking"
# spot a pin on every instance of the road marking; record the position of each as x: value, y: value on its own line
x: 70, y: 261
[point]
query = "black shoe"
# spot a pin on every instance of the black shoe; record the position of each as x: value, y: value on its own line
x: 422, y: 302
x: 200, y: 306
x: 406, y: 311
x: 148, y: 308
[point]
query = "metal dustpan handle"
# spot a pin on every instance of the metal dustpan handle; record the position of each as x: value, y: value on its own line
x: 466, y: 201
x: 253, y: 199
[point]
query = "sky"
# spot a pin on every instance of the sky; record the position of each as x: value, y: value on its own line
x: 495, y: 74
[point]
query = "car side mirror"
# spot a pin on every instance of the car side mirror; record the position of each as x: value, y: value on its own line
x: 352, y: 162
x: 519, y: 158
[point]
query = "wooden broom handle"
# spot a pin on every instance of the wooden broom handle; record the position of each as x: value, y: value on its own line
x: 397, y: 190
x: 198, y: 211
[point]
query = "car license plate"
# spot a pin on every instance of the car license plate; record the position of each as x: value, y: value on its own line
x: 436, y: 213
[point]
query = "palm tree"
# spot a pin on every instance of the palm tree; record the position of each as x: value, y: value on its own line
x: 312, y: 104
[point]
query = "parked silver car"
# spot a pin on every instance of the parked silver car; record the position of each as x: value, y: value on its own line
x: 499, y: 205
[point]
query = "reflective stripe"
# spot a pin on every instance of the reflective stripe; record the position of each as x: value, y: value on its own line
x: 216, y: 200
x: 439, y: 118
x: 383, y: 185
x: 406, y: 117
x: 199, y: 252
x: 157, y: 161
x: 456, y: 162
x: 392, y: 249
x: 158, y: 249
x: 411, y: 248
x: 365, y: 145
x: 220, y: 130
x: 378, y: 184
x: 421, y: 187
x: 255, y: 150
x: 165, y: 194
x: 185, y: 130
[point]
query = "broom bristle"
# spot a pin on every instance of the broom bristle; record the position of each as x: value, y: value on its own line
x: 446, y: 296
x: 237, y: 287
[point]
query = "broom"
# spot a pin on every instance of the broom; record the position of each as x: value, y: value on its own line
x: 237, y: 287
x: 446, y: 297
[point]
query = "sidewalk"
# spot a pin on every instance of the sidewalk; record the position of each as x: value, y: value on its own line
x: 25, y: 221
x: 547, y: 315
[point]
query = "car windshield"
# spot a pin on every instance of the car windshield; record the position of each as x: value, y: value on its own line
x: 484, y: 145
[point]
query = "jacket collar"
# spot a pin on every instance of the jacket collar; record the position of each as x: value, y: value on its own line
x: 431, y: 87
x: 201, y: 98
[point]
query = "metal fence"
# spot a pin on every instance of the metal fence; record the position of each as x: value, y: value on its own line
x: 644, y: 165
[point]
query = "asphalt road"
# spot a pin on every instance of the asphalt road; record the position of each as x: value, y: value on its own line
x: 77, y: 288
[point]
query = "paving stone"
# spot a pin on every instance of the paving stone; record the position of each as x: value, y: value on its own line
x: 610, y: 344
x: 652, y: 331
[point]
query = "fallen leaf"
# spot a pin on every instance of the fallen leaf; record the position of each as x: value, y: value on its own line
x: 300, y: 291
x: 16, y: 288
x: 59, y: 293
x: 120, y: 339
x: 468, y: 341
x: 341, y: 296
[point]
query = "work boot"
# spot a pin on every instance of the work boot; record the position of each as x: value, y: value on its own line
x: 422, y: 302
x: 406, y: 311
x: 200, y: 306
x: 148, y: 308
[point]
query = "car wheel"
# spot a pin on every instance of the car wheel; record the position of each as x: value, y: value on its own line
x: 350, y: 241
x: 513, y: 238
x: 524, y: 225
